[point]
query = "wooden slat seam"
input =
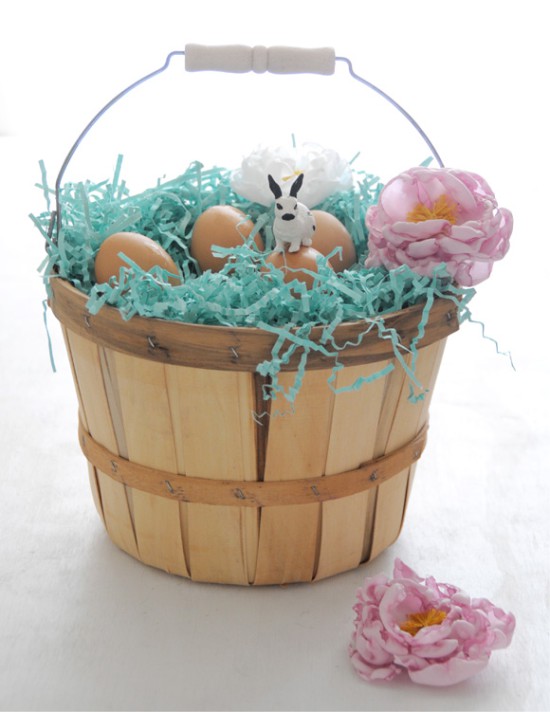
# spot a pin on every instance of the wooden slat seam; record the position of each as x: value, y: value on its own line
x: 181, y: 520
x: 67, y: 334
x: 109, y: 377
x: 98, y: 490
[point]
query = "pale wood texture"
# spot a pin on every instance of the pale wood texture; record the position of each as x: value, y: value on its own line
x: 94, y: 410
x: 110, y: 381
x: 351, y: 443
x: 401, y: 420
x: 149, y: 438
x: 96, y: 494
x: 296, y: 447
x: 91, y: 390
x: 117, y: 512
x: 212, y: 414
x: 438, y: 350
x: 199, y: 422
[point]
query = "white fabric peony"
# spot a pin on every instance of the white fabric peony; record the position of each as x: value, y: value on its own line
x: 325, y: 172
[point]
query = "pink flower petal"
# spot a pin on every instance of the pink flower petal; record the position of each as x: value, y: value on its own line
x: 448, y: 673
x: 419, y: 230
x: 423, y: 248
x: 467, y: 231
x: 452, y: 247
x: 459, y: 193
x: 462, y: 630
x: 402, y: 571
x: 441, y: 653
x: 385, y: 673
x: 397, y: 199
x: 471, y: 273
x: 442, y: 649
x: 468, y: 247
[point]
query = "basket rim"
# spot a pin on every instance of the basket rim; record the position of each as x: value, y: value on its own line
x: 239, y: 348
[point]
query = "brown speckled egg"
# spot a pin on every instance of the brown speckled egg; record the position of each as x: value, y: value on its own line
x: 220, y: 225
x: 142, y: 250
x: 330, y: 233
x: 304, y: 258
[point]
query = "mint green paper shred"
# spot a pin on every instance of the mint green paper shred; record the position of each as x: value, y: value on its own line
x: 48, y: 337
x: 238, y: 295
x: 44, y: 184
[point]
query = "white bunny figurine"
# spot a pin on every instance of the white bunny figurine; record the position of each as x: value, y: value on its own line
x: 294, y: 223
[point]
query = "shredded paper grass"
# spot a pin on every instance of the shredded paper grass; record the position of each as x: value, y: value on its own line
x: 240, y: 294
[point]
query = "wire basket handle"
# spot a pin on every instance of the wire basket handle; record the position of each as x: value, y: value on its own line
x: 238, y: 59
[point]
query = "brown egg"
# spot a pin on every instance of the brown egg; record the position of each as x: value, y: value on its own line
x: 142, y: 250
x: 220, y: 225
x: 330, y: 233
x: 304, y: 258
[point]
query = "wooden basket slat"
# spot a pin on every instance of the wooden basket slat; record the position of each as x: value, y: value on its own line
x: 369, y: 526
x: 438, y: 350
x: 95, y: 412
x: 91, y: 389
x: 387, y: 409
x: 408, y: 418
x: 350, y: 446
x: 107, y: 359
x: 388, y: 517
x: 394, y: 388
x: 118, y: 517
x: 149, y: 438
x: 217, y: 542
x: 250, y: 535
x: 343, y: 521
x: 178, y: 418
x: 298, y: 435
x: 212, y: 412
x: 297, y: 444
x: 158, y: 532
x: 287, y: 550
x: 96, y: 494
x: 145, y: 411
x: 342, y: 534
x: 81, y: 411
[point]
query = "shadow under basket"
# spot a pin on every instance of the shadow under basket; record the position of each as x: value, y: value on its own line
x: 186, y: 479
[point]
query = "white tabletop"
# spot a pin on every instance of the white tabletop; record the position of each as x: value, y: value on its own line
x: 84, y: 626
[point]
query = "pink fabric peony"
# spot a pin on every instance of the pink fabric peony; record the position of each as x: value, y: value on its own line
x: 434, y: 631
x: 426, y: 216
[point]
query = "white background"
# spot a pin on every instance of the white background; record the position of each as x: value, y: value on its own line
x: 82, y: 625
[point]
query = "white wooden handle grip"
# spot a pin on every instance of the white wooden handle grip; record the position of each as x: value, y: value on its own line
x: 276, y: 60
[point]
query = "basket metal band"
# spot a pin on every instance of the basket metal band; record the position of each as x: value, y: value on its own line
x: 242, y: 493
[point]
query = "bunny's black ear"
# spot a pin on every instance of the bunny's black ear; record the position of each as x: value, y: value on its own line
x: 275, y: 188
x: 296, y: 185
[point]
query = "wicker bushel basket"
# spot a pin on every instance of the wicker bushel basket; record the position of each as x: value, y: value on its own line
x: 187, y: 479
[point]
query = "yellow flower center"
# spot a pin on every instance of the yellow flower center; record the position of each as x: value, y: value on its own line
x: 443, y: 209
x: 296, y: 173
x: 417, y: 621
